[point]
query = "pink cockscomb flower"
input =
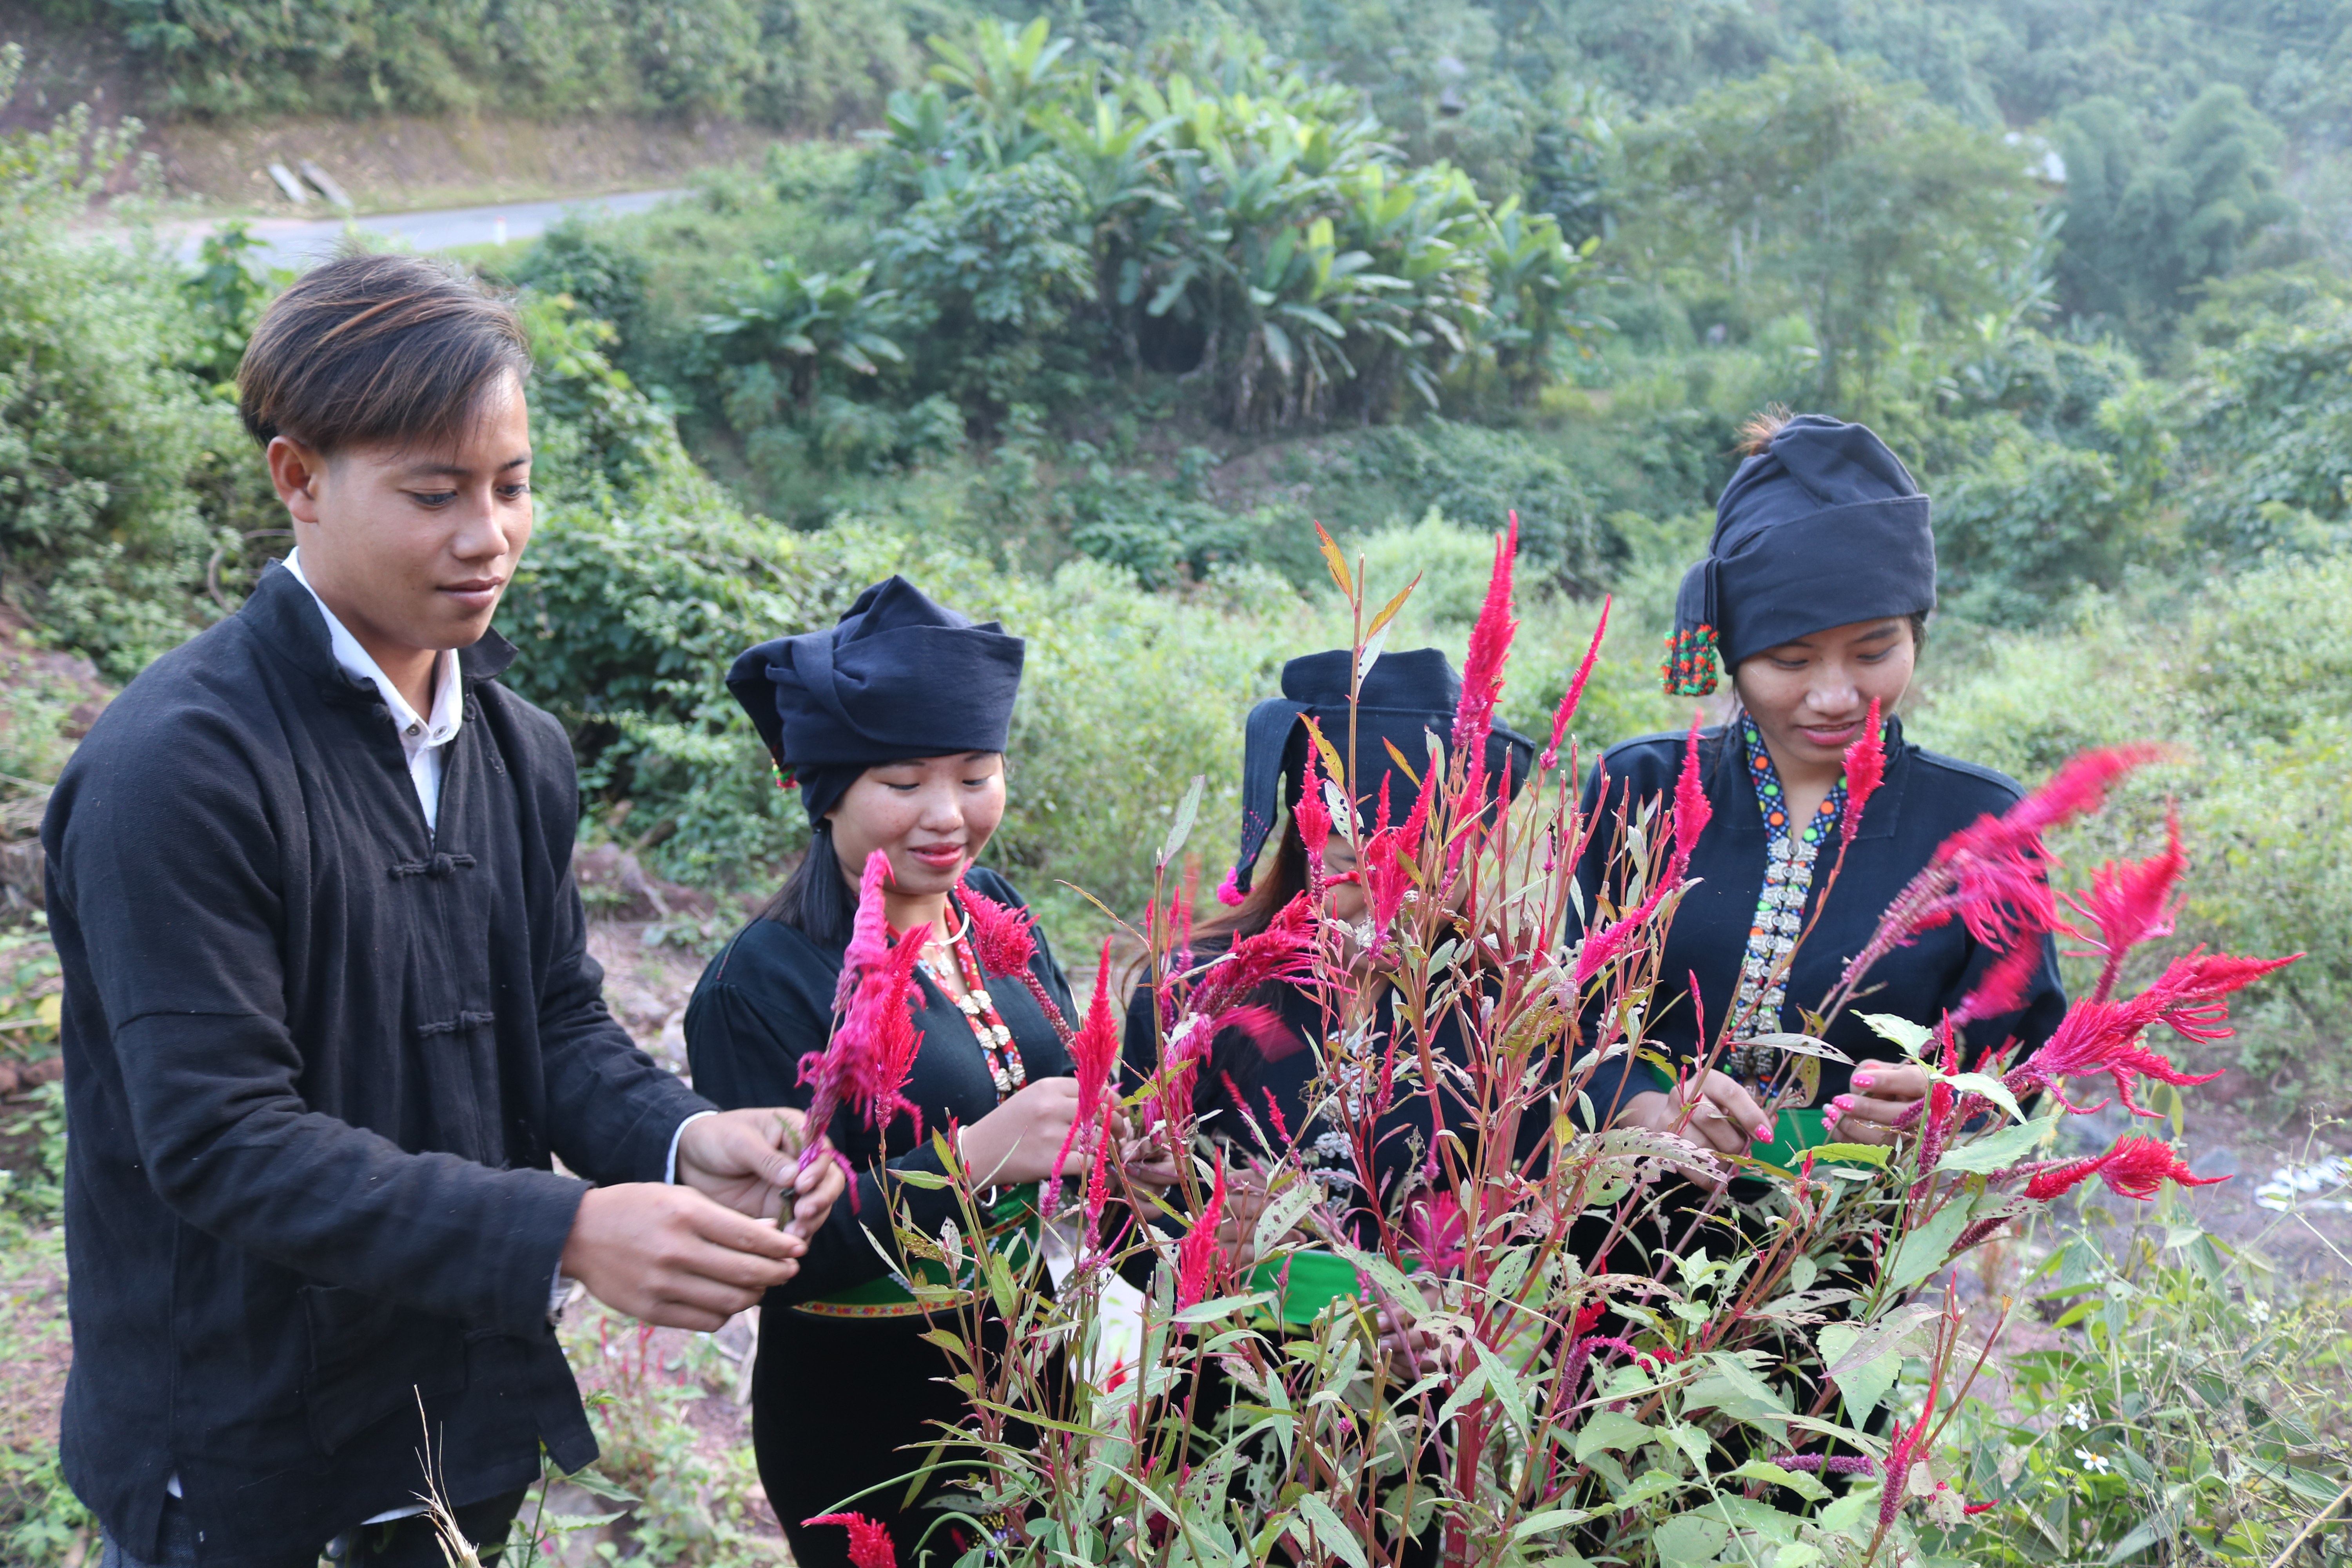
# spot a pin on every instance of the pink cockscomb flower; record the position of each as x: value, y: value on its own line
x: 870, y: 1541
x: 1004, y: 941
x: 1436, y: 1230
x: 2136, y: 1167
x: 1566, y: 712
x: 1993, y: 874
x: 1692, y: 812
x: 1482, y: 687
x: 1093, y: 1052
x: 2002, y: 988
x: 865, y: 1064
x: 1198, y: 1255
x: 2131, y: 902
x: 1865, y: 769
x: 1601, y: 947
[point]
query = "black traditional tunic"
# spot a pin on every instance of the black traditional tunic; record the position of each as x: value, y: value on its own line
x: 834, y: 1398
x: 317, y: 1060
x: 1924, y: 800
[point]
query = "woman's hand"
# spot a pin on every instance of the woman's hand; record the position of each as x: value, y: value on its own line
x: 1413, y: 1351
x: 1721, y: 1115
x: 1246, y: 1196
x: 1886, y: 1092
x: 1018, y: 1141
x: 1150, y: 1160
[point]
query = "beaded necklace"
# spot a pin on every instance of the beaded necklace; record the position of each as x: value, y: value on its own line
x: 987, y: 1026
x: 1779, y: 910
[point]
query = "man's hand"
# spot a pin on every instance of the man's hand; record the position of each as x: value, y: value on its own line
x: 669, y: 1255
x: 1886, y: 1092
x: 747, y: 1160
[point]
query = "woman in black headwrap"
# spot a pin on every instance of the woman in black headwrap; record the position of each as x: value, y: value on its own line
x: 1814, y: 595
x: 893, y: 723
x: 1406, y: 700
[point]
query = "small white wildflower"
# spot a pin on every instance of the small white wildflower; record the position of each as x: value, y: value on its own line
x: 2096, y: 1463
x: 2258, y: 1308
x: 2078, y: 1415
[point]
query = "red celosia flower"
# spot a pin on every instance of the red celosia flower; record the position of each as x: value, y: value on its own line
x: 2132, y: 901
x: 1907, y: 1449
x: 869, y: 931
x: 1865, y: 769
x: 1601, y: 947
x: 1277, y: 953
x: 1993, y: 876
x: 1314, y: 813
x: 869, y: 1542
x: 1004, y: 940
x: 2002, y: 988
x: 1575, y: 694
x: 865, y: 1065
x: 1436, y: 1231
x: 1482, y: 675
x: 2134, y: 1168
x: 1092, y: 1053
x: 1692, y: 812
x: 2191, y: 989
x: 2098, y: 1037
x: 1198, y: 1255
x: 1587, y: 1317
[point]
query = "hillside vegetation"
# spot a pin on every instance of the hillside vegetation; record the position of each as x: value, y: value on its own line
x: 1083, y: 321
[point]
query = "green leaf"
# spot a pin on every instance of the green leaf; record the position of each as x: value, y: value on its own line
x: 1996, y: 1150
x: 1188, y: 811
x: 1928, y: 1248
x: 1550, y: 1518
x: 1913, y: 1037
x: 1991, y: 1087
x: 1334, y: 1535
x: 1687, y: 1538
x: 1804, y: 1485
x: 1610, y: 1429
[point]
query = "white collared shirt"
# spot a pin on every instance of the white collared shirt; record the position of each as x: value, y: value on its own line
x: 421, y: 738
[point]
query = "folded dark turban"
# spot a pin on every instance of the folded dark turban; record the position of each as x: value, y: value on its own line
x: 1406, y: 699
x: 1823, y: 528
x: 897, y: 677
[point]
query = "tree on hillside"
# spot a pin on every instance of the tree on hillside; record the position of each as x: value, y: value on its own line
x: 1878, y: 216
x: 2142, y: 229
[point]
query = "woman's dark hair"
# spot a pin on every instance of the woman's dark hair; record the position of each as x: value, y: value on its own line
x: 1280, y: 883
x: 377, y: 349
x: 815, y: 900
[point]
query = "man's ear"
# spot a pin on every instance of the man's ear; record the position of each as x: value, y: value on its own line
x: 295, y: 472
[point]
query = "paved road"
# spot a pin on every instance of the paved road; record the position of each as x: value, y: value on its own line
x: 293, y: 242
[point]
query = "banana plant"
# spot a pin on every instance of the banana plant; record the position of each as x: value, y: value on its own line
x: 1531, y: 276
x: 802, y: 319
x: 1011, y: 77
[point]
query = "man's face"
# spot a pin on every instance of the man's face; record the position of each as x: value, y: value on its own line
x: 412, y: 547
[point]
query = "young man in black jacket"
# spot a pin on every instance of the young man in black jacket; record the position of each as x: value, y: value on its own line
x: 329, y: 1013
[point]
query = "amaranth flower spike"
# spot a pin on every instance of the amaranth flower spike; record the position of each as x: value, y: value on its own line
x: 870, y: 1541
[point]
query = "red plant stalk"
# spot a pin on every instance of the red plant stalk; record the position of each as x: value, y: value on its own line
x: 1094, y: 1051
x: 1004, y: 940
x: 869, y: 1542
x: 1566, y: 712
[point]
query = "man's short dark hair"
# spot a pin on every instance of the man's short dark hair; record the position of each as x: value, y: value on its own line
x: 373, y: 349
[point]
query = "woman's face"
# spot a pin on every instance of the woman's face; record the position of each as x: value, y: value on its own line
x: 1810, y: 697
x: 931, y: 815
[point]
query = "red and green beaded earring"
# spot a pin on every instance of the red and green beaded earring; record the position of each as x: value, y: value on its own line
x: 1690, y: 669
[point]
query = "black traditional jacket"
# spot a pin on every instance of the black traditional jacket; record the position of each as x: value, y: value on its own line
x: 766, y: 1000
x: 318, y: 1059
x: 1924, y: 800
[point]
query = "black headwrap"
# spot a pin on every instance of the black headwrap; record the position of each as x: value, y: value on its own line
x: 897, y: 677
x: 1406, y: 699
x: 1823, y: 528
